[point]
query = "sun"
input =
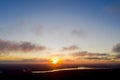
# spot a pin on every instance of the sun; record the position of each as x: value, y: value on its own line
x: 54, y: 60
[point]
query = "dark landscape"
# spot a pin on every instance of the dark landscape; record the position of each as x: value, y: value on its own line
x: 24, y: 72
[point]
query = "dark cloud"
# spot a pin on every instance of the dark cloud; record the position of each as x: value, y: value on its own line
x: 116, y: 48
x: 98, y: 58
x: 85, y: 53
x: 27, y: 46
x: 71, y: 48
x: 79, y: 32
x: 88, y: 55
x: 60, y: 55
x: 7, y: 46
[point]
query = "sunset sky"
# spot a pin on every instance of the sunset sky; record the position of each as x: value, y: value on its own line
x: 70, y: 30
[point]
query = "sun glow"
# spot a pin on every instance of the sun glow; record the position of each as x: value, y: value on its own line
x: 54, y: 60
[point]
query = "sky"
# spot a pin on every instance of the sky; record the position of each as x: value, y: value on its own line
x: 79, y: 30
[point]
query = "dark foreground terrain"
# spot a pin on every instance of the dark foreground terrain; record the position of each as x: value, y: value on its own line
x: 17, y: 72
x: 94, y: 74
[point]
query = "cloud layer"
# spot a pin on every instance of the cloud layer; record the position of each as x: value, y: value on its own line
x: 26, y: 47
x: 7, y: 46
x: 88, y: 55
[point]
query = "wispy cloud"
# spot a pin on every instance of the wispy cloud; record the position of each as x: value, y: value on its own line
x: 113, y: 9
x: 79, y: 32
x: 70, y: 48
x: 38, y: 30
x: 22, y: 23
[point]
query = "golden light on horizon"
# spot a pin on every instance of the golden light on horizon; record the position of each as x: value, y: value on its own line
x: 55, y: 60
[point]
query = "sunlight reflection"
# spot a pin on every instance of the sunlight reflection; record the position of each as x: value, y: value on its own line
x: 78, y: 68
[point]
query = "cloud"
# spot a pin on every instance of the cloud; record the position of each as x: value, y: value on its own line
x: 27, y: 46
x: 8, y: 46
x: 98, y: 58
x: 85, y: 53
x: 117, y: 56
x: 38, y: 30
x: 88, y: 55
x: 22, y: 23
x: 113, y: 9
x: 79, y: 32
x: 116, y: 49
x: 70, y: 48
